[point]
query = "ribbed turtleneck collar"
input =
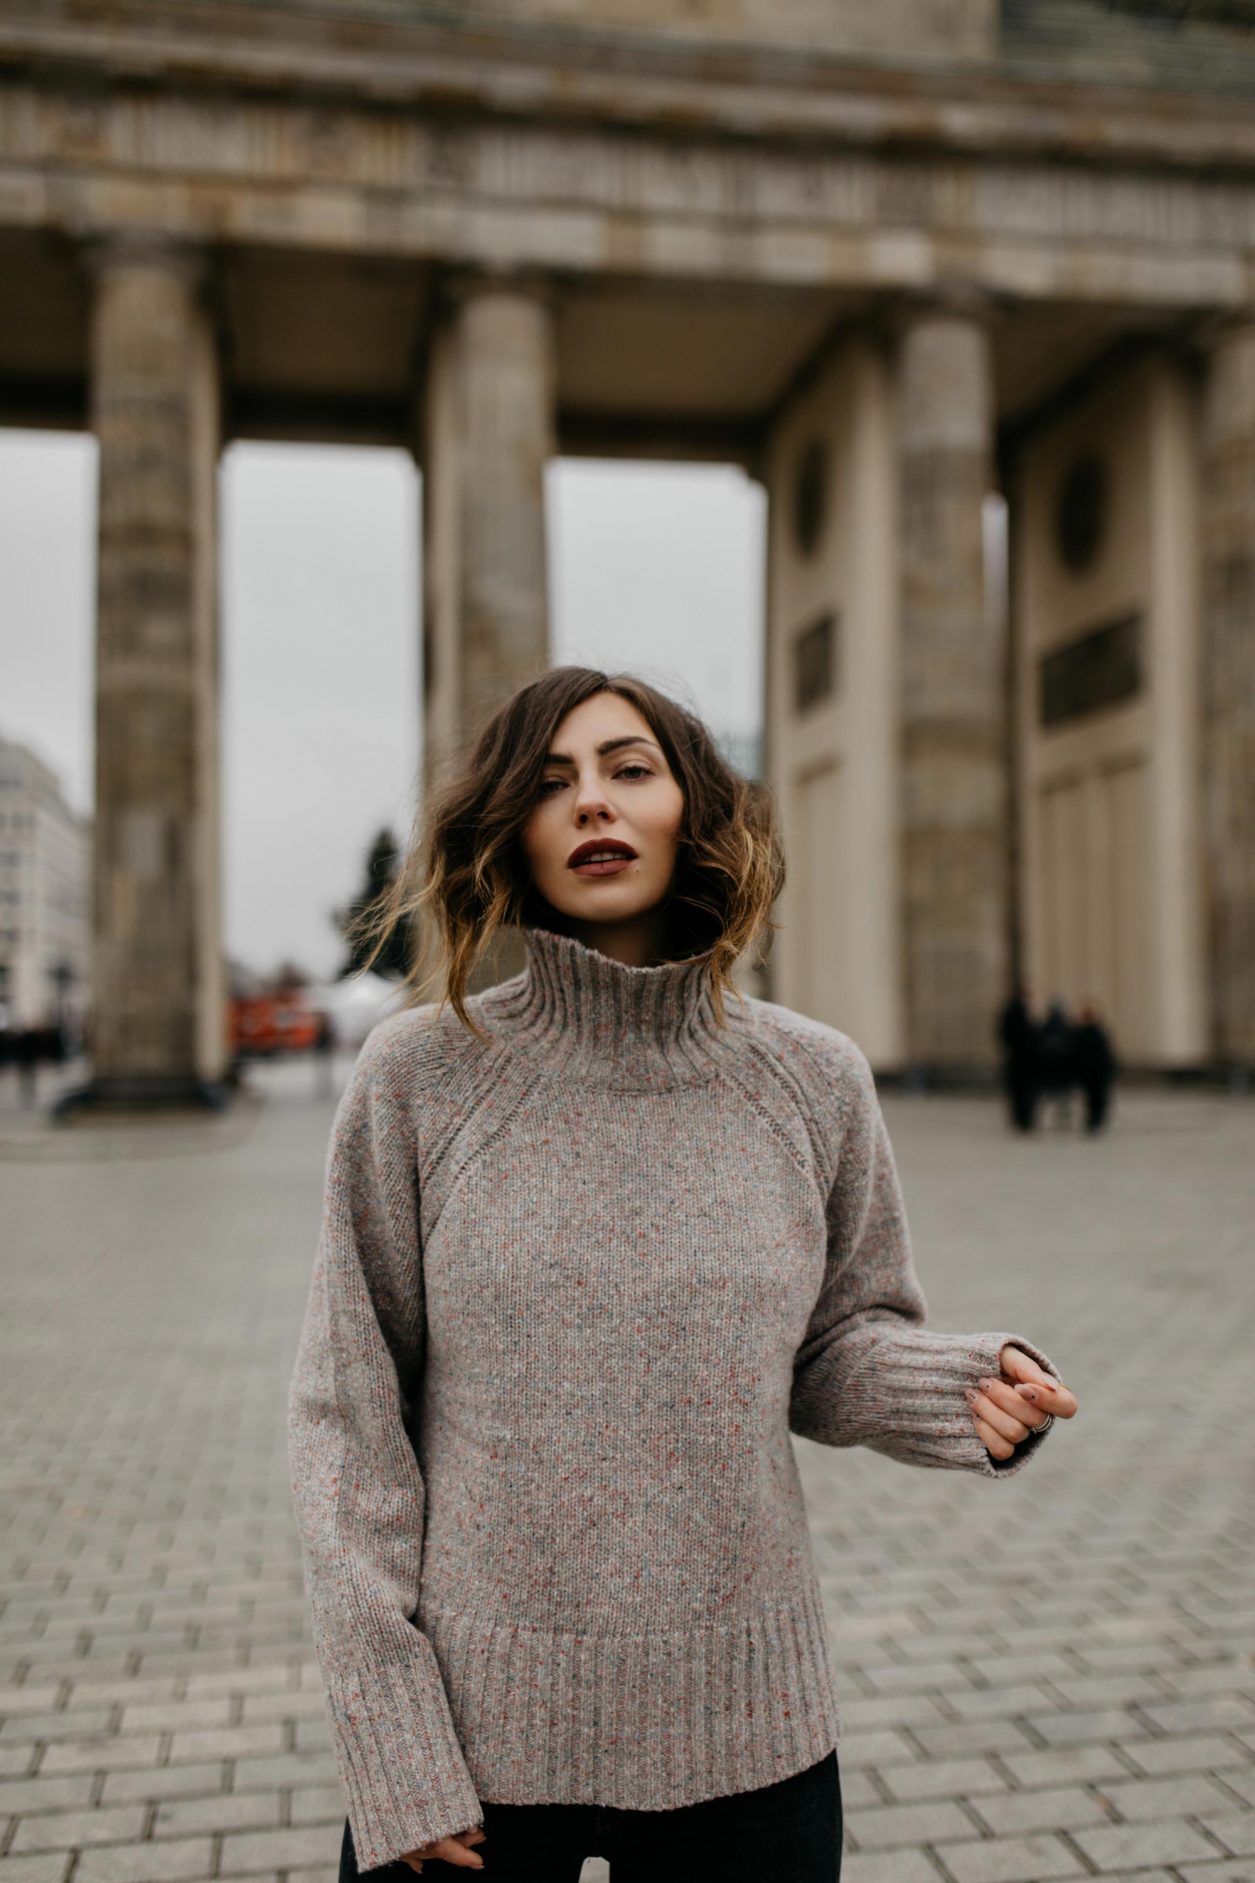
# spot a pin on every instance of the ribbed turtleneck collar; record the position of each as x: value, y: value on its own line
x: 637, y: 1029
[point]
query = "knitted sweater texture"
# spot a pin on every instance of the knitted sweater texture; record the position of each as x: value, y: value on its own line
x: 575, y: 1286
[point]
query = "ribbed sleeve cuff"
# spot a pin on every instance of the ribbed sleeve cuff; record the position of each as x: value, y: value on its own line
x: 406, y: 1781
x: 917, y: 1411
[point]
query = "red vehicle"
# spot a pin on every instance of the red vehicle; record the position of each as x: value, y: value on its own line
x: 265, y: 1024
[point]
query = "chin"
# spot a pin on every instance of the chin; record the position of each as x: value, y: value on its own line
x: 598, y: 906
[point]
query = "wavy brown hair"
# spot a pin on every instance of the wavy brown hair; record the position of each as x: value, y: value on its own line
x: 465, y: 876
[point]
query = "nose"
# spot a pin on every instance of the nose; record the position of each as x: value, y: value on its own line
x: 591, y: 800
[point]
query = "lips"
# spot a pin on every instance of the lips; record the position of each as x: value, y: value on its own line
x: 601, y: 857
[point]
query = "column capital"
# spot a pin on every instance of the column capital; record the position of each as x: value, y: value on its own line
x: 942, y: 301
x: 106, y: 249
x: 456, y: 286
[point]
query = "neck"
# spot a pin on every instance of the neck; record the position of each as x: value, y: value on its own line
x: 608, y: 1022
x: 637, y: 943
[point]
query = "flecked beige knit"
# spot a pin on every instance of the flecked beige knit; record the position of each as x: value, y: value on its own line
x: 574, y: 1288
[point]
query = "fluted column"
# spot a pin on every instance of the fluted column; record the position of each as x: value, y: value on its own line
x: 953, y: 703
x: 488, y: 432
x: 1228, y: 589
x: 158, y: 1020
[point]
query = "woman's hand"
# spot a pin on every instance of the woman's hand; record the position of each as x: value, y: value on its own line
x: 455, y: 1849
x: 1006, y: 1410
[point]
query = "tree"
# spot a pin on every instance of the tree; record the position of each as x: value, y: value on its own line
x: 381, y: 868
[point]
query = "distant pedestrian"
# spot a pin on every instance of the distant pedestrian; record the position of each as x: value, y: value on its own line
x: 1056, y: 1066
x: 1095, y: 1062
x: 28, y: 1043
x: 324, y: 1054
x: 1018, y: 1038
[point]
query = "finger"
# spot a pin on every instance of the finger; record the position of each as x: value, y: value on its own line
x: 1002, y: 1422
x: 994, y: 1441
x: 452, y: 1852
x: 1021, y: 1366
x: 1050, y: 1395
x: 1008, y: 1399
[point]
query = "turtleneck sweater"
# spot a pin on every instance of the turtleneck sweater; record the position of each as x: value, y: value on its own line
x: 576, y: 1285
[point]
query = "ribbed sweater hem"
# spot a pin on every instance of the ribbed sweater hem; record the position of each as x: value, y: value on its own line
x: 644, y: 1722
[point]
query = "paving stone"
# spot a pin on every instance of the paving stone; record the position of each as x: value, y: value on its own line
x: 1196, y: 1753
x: 50, y: 1867
x: 324, y: 1804
x: 1187, y: 1796
x: 1125, y: 1846
x: 1058, y: 1808
x: 25, y: 1727
x: 228, y: 1742
x: 176, y: 1716
x: 167, y: 1862
x: 998, y: 1702
x: 1080, y: 1729
x: 942, y: 1778
x: 893, y: 1825
x: 1233, y: 1830
x: 860, y: 1750
x: 244, y: 1854
x: 891, y: 1710
x: 898, y: 1866
x: 242, y: 1811
x: 1001, y: 1736
x: 171, y: 1781
x: 1011, y: 1860
x: 55, y: 1830
x: 1064, y: 1765
x: 102, y: 1755
x: 44, y: 1794
x: 1236, y: 1870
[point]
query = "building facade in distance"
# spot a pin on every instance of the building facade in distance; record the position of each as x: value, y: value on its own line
x: 891, y: 257
x: 45, y: 896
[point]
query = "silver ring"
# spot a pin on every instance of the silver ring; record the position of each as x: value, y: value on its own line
x: 1050, y: 1419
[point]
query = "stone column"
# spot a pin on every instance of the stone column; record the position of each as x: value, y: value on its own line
x: 158, y: 1012
x: 488, y: 431
x: 953, y: 703
x: 1228, y: 743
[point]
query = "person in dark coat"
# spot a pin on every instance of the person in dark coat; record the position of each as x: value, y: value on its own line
x: 29, y: 1051
x: 1017, y: 1036
x: 324, y: 1050
x: 1095, y: 1062
x: 1056, y: 1066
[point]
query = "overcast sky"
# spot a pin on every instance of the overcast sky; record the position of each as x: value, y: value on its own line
x: 654, y: 568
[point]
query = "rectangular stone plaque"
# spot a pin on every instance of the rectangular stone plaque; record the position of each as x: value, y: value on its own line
x: 815, y: 653
x: 1099, y: 669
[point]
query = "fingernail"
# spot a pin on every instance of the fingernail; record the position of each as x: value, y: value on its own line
x: 971, y: 1395
x: 986, y: 1384
x: 1029, y: 1392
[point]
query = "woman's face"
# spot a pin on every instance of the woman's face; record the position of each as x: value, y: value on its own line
x: 605, y: 784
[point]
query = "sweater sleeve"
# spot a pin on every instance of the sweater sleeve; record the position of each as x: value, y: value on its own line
x: 867, y: 1371
x: 357, y: 1489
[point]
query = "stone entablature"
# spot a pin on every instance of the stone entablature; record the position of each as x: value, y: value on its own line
x: 373, y: 181
x: 892, y: 29
x: 529, y: 73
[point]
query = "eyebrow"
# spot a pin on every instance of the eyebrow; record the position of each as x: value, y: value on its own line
x: 607, y: 745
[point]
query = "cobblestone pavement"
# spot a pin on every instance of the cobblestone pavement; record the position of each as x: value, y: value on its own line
x: 1047, y: 1678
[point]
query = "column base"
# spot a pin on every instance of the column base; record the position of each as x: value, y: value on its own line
x: 143, y: 1095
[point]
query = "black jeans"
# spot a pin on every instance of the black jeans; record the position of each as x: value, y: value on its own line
x: 787, y: 1832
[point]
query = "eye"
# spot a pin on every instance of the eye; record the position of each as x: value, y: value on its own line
x: 633, y: 771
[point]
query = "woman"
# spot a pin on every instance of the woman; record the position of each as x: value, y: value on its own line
x: 594, y: 1242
